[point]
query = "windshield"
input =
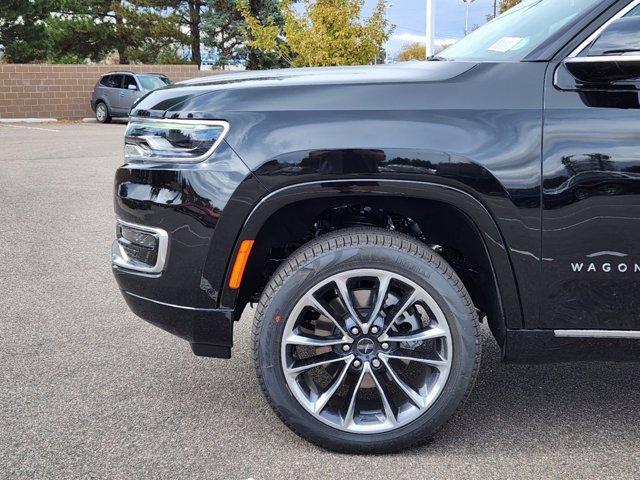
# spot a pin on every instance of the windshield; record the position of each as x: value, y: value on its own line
x: 151, y: 82
x: 518, y: 31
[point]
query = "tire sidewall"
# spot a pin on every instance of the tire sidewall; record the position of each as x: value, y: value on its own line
x: 424, y: 273
x: 106, y: 110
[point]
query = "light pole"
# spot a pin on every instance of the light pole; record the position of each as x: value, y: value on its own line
x: 430, y: 28
x: 466, y: 15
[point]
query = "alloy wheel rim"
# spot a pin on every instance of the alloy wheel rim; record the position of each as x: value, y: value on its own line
x: 366, y: 351
x: 101, y: 112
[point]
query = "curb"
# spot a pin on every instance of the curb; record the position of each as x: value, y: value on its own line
x: 28, y: 120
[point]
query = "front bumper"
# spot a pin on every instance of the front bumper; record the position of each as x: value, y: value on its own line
x: 183, y: 203
x: 209, y: 331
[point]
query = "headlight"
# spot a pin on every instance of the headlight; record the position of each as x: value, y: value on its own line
x: 172, y: 140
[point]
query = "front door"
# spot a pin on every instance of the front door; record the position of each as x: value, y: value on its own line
x: 129, y: 93
x: 591, y: 196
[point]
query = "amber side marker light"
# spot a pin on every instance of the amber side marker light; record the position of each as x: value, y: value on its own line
x: 239, y: 265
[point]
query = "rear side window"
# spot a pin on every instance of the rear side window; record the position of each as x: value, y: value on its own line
x: 111, y: 81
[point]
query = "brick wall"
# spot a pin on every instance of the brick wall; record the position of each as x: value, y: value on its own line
x: 64, y: 91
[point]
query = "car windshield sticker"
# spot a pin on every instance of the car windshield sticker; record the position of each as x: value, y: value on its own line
x: 505, y: 44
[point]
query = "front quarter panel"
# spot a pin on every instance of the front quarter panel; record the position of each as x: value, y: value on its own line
x: 479, y: 132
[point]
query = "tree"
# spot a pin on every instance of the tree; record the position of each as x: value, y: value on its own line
x: 22, y: 29
x: 225, y: 30
x: 265, y: 11
x: 412, y: 51
x: 501, y: 6
x: 507, y: 4
x: 139, y: 30
x: 190, y: 13
x: 321, y: 33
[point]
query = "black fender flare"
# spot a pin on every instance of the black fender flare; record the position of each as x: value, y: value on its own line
x: 477, y: 213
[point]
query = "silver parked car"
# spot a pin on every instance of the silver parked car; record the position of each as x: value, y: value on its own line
x: 115, y: 92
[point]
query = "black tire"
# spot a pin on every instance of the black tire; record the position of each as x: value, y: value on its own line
x: 354, y: 249
x: 102, y: 113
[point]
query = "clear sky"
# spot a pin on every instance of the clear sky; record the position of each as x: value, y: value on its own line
x: 409, y: 18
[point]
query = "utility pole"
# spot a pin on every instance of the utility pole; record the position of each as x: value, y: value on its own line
x: 430, y: 28
x: 466, y: 15
x: 495, y: 8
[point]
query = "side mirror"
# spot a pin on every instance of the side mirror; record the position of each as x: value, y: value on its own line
x: 132, y: 87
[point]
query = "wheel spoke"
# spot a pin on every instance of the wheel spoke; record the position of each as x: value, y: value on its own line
x: 303, y: 365
x: 381, y: 295
x: 317, y: 305
x: 324, y: 398
x: 348, y: 417
x: 413, y: 356
x: 346, y: 300
x: 402, y: 305
x: 420, y: 335
x: 411, y: 394
x: 315, y: 341
x: 384, y: 397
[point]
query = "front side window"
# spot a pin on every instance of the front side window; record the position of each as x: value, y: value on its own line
x: 517, y: 32
x: 129, y: 80
x: 622, y: 40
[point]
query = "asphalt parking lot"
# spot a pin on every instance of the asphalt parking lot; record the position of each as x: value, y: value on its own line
x: 90, y: 391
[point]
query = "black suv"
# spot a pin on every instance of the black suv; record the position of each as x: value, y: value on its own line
x: 377, y: 214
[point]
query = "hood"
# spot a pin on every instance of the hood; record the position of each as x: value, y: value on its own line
x: 192, y: 98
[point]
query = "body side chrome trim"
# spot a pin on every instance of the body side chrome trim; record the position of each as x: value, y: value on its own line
x: 633, y: 334
x: 183, y: 307
x: 604, y: 58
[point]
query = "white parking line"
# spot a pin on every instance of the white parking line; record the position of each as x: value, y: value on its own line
x: 29, y: 128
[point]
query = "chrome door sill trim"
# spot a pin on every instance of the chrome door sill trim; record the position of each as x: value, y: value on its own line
x: 597, y: 334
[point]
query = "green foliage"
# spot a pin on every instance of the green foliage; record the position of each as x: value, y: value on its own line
x: 23, y: 30
x: 226, y: 31
x: 188, y: 14
x: 137, y: 29
x: 321, y: 33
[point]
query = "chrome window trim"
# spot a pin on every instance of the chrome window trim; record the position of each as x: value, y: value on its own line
x: 214, y: 123
x: 604, y: 58
x: 633, y: 334
x: 597, y: 33
x: 120, y: 259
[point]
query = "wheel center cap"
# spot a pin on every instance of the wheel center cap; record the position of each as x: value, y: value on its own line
x: 365, y: 346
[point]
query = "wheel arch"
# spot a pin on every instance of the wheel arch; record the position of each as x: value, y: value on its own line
x: 286, y: 212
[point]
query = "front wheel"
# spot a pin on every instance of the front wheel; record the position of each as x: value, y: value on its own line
x: 366, y: 341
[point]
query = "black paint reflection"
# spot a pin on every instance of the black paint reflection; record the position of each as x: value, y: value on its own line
x: 380, y: 163
x: 591, y: 216
x: 589, y: 175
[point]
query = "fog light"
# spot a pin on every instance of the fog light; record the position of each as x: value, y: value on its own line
x: 139, y: 248
x: 138, y: 237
